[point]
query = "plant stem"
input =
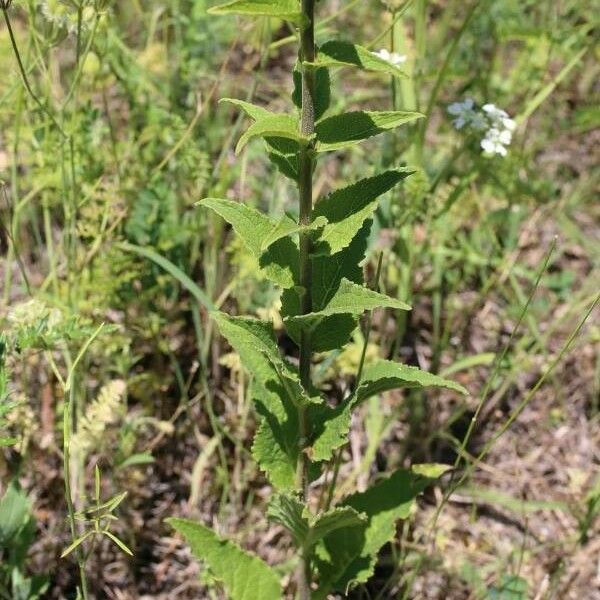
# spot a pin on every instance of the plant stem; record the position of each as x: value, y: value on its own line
x: 305, y: 174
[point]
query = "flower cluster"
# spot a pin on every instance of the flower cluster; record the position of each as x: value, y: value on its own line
x: 392, y: 57
x: 495, y: 122
x: 64, y: 16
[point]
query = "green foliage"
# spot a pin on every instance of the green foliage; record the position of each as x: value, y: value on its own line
x: 244, y: 576
x: 279, y: 261
x: 385, y: 375
x: 306, y: 529
x: 17, y: 534
x: 348, y: 129
x: 328, y: 273
x: 284, y: 9
x: 347, y: 556
x: 512, y: 587
x: 5, y: 405
x: 97, y: 520
x: 338, y: 53
x: 297, y: 430
x: 272, y: 126
x: 348, y: 208
x: 323, y: 298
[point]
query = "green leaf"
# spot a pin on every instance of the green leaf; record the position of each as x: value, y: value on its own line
x: 348, y: 556
x: 345, y: 54
x: 14, y: 513
x: 255, y: 343
x: 272, y: 126
x: 252, y: 110
x: 287, y: 510
x: 287, y: 226
x: 276, y: 392
x: 351, y: 128
x: 330, y: 429
x: 328, y: 272
x: 333, y: 424
x: 347, y: 209
x: 344, y: 517
x: 307, y: 529
x: 512, y: 587
x: 287, y: 163
x: 282, y: 152
x: 118, y: 542
x: 350, y: 298
x: 243, y: 575
x: 277, y: 440
x: 76, y: 543
x: 282, y: 9
x: 143, y: 458
x: 384, y: 375
x: 280, y: 262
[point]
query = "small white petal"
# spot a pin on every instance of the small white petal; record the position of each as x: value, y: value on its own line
x: 505, y: 137
x: 398, y: 59
x: 488, y: 145
x: 383, y: 54
x: 509, y: 123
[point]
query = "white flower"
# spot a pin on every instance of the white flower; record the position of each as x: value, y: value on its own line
x: 65, y: 17
x: 494, y: 121
x: 495, y: 113
x: 495, y: 141
x: 392, y: 57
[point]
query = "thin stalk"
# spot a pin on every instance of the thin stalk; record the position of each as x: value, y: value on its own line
x: 305, y: 192
x: 23, y: 72
x: 70, y: 401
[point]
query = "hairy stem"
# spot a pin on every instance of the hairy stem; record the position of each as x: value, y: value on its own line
x: 305, y: 175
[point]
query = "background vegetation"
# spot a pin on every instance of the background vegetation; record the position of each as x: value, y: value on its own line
x: 111, y: 132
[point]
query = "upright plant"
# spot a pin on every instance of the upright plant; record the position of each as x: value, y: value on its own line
x: 316, y: 261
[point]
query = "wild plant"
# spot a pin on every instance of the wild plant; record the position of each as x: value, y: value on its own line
x: 316, y: 260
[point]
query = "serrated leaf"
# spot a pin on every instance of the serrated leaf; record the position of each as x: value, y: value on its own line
x: 333, y: 424
x: 347, y: 209
x: 328, y: 272
x: 322, y: 91
x: 348, y: 556
x: 288, y: 511
x: 352, y: 299
x: 337, y: 53
x: 276, y: 443
x: 287, y: 227
x: 280, y: 262
x: 243, y: 575
x: 288, y: 10
x: 282, y: 152
x: 307, y: 529
x: 255, y: 343
x: 272, y: 126
x: 286, y: 163
x: 252, y: 110
x: 344, y: 517
x: 385, y: 375
x: 330, y: 430
x: 351, y: 128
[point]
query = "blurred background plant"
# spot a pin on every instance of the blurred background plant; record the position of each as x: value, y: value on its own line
x: 103, y: 154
